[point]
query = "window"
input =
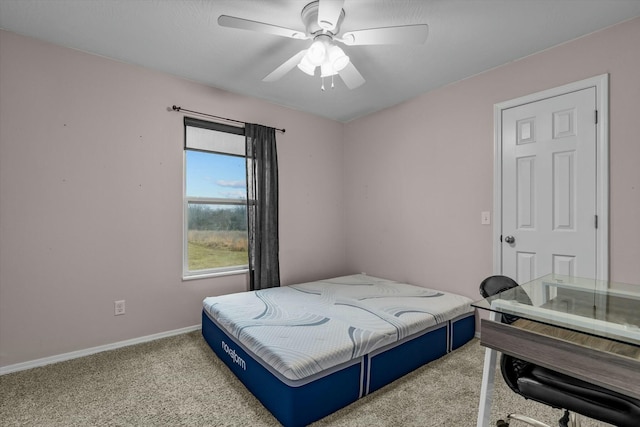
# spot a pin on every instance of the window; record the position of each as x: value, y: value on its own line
x: 215, y: 206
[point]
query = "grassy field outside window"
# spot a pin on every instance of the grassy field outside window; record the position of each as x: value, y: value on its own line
x: 217, y: 249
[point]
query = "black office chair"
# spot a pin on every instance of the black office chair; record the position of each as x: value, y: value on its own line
x: 553, y: 388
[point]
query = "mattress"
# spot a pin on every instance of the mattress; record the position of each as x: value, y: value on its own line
x: 342, y: 337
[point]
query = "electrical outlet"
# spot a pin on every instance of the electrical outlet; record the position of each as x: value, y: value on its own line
x: 118, y: 307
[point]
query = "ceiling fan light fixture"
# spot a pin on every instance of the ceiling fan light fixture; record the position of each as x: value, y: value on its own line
x: 317, y: 52
x: 327, y: 70
x: 306, y: 66
x: 337, y: 58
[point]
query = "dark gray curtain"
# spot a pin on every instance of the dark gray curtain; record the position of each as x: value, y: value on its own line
x: 262, y: 206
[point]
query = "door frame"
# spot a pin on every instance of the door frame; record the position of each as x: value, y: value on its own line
x: 601, y: 84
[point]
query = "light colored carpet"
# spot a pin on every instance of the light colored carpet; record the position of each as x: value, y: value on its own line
x: 178, y: 381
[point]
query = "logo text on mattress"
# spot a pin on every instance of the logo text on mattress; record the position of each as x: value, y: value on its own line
x: 232, y: 354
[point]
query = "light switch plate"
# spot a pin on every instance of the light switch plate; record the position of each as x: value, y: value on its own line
x: 485, y: 218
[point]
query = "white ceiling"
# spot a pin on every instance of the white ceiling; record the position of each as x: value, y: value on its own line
x: 182, y: 37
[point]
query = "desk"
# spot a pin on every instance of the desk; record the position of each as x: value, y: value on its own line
x: 584, y: 328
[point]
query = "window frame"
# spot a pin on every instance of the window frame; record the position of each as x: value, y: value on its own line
x: 186, y: 201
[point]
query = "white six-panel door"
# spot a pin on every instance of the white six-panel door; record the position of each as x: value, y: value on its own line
x: 549, y: 187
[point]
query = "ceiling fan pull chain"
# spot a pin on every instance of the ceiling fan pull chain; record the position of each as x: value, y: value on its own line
x: 332, y: 86
x: 322, y: 87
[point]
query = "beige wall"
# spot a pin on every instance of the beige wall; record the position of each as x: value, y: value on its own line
x: 91, y: 199
x: 419, y: 174
x: 91, y: 187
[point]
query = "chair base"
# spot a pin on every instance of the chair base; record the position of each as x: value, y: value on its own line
x: 569, y: 419
x: 528, y: 420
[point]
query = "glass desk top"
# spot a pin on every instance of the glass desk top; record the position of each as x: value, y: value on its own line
x: 595, y: 307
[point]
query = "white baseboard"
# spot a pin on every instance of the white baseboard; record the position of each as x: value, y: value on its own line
x: 93, y: 350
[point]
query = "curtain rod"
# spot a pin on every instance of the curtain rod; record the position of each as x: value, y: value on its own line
x: 175, y: 108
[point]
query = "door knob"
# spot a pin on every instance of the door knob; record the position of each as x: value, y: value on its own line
x: 510, y: 239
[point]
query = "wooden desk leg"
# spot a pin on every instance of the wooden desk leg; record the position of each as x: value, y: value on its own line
x: 488, y: 377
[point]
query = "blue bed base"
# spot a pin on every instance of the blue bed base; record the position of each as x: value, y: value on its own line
x: 298, y: 403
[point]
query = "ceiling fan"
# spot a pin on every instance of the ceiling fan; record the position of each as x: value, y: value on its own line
x: 322, y: 20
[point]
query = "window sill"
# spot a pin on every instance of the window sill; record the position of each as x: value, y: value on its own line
x: 214, y: 274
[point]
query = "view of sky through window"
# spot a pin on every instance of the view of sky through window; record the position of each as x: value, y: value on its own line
x: 216, y: 175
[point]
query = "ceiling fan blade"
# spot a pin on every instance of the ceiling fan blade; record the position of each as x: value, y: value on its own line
x: 329, y: 13
x: 283, y: 69
x: 351, y: 76
x: 245, y: 24
x: 404, y: 34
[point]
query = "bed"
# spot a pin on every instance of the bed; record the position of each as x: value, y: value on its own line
x: 309, y: 349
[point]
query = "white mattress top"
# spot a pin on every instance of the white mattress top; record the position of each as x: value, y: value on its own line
x: 303, y: 329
